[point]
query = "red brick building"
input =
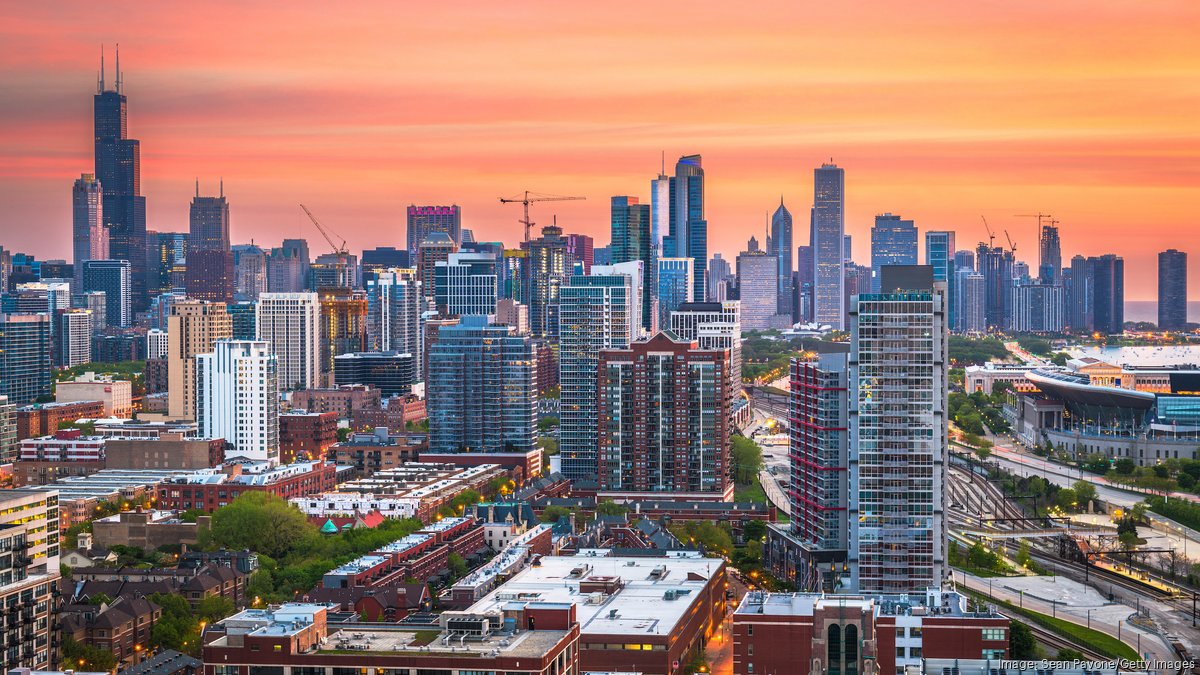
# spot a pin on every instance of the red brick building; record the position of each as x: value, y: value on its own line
x: 522, y: 465
x: 43, y: 419
x: 547, y: 366
x: 811, y: 632
x: 212, y: 490
x: 306, y: 435
x: 342, y: 401
x: 399, y: 411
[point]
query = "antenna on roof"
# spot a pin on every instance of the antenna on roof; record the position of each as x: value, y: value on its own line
x: 100, y: 79
x: 222, y: 187
x: 118, y: 67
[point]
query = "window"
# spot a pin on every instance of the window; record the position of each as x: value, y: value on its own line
x: 993, y: 634
x: 914, y: 652
x: 993, y: 654
x: 750, y: 630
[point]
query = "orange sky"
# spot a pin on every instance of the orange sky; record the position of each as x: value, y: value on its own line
x: 939, y: 111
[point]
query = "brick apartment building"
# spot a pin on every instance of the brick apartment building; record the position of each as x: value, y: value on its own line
x: 306, y: 435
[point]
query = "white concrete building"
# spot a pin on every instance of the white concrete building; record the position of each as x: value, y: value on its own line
x: 715, y: 325
x: 237, y: 398
x: 156, y: 344
x: 73, y: 339
x: 290, y: 323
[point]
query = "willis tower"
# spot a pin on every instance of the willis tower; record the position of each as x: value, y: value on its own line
x: 118, y: 169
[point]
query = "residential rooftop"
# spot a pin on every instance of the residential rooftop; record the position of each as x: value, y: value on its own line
x: 930, y: 603
x: 654, y: 594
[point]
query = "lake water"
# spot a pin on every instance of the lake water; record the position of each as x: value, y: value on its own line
x: 1147, y: 310
x: 1174, y: 355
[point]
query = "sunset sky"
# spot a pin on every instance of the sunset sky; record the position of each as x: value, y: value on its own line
x: 940, y: 111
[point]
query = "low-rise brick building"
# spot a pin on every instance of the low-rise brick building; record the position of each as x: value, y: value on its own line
x: 306, y: 435
x: 43, y: 419
x: 214, y: 488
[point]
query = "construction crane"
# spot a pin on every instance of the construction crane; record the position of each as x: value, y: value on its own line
x: 1011, y: 246
x: 529, y: 198
x: 991, y: 236
x: 338, y: 249
x: 1039, y: 217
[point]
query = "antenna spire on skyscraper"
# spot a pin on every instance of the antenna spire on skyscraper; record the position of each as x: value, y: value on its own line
x: 100, y: 79
x: 118, y: 67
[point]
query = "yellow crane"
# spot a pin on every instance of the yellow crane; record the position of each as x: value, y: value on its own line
x: 530, y: 197
x: 338, y: 249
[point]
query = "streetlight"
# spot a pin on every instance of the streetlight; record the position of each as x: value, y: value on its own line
x: 1089, y: 617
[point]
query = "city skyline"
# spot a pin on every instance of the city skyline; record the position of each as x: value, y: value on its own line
x: 332, y: 121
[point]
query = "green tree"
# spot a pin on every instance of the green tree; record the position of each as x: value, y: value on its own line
x: 754, y: 530
x: 983, y: 452
x: 1021, y: 643
x: 552, y: 513
x: 547, y: 423
x: 457, y: 566
x: 261, y: 522
x: 1023, y: 556
x: 1084, y: 492
x: 1125, y: 466
x: 214, y: 608
x: 746, y: 458
x: 1069, y: 655
x: 343, y: 434
x: 610, y: 508
x: 1066, y: 499
x: 704, y: 533
x: 1129, y: 540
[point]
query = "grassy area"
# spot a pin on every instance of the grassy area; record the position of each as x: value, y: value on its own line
x: 980, y: 572
x: 749, y: 493
x: 1095, y: 640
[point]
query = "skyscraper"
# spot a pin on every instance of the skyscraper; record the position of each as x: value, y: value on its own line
x: 394, y: 306
x: 89, y: 237
x: 1082, y: 313
x: 656, y: 439
x: 73, y: 338
x: 193, y: 327
x: 758, y: 286
x: 632, y: 237
x: 287, y: 269
x: 893, y: 242
x: 25, y: 357
x: 466, y: 284
x: 249, y: 272
x: 383, y: 258
x: 237, y: 398
x: 118, y: 169
x: 971, y: 298
x: 114, y: 278
x: 596, y: 312
x: 547, y: 273
x: 660, y: 208
x: 166, y: 254
x: 780, y: 246
x: 434, y: 248
x: 1172, y: 290
x: 688, y: 229
x: 939, y: 254
x: 713, y: 325
x: 425, y: 220
x: 209, y: 258
x: 996, y: 266
x: 1049, y: 255
x: 343, y: 326
x: 720, y: 276
x: 1038, y: 308
x: 803, y: 284
x: 675, y: 283
x: 580, y: 249
x: 1109, y: 293
x: 828, y: 228
x: 482, y: 389
x: 291, y: 322
x: 898, y: 443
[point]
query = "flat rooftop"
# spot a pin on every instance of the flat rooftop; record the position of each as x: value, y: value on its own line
x: 435, y: 642
x: 933, y: 603
x: 656, y: 594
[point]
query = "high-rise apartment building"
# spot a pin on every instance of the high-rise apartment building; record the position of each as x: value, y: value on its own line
x: 193, y: 327
x: 291, y: 323
x: 29, y: 578
x: 334, y: 270
x: 118, y: 169
x: 465, y: 283
x: 893, y: 242
x: 425, y: 220
x: 660, y: 208
x: 758, y: 286
x: 394, y: 306
x: 996, y: 266
x: 243, y: 316
x: 343, y: 326
x: 249, y: 272
x: 237, y: 398
x: 581, y: 249
x: 25, y: 357
x: 382, y: 259
x: 482, y: 388
x: 8, y: 430
x: 970, y: 300
x: 73, y: 338
x: 1049, y: 255
x: 596, y: 312
x: 656, y: 438
x: 633, y: 237
x: 688, y: 230
x: 779, y: 245
x: 720, y: 276
x: 166, y: 260
x: 114, y: 278
x: 675, y: 283
x: 1172, y: 290
x: 828, y: 228
x: 1081, y: 317
x: 509, y: 312
x: 939, y: 254
x: 287, y: 268
x: 1039, y: 308
x: 1109, y: 293
x: 89, y: 237
x: 548, y: 272
x: 513, y: 272
x: 436, y: 247
x: 897, y: 378
x: 713, y: 325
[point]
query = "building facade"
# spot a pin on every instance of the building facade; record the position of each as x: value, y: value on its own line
x: 1172, y: 290
x: 237, y: 398
x: 25, y: 357
x: 193, y: 328
x: 826, y: 239
x: 290, y: 322
x: 893, y: 242
x: 113, y: 277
